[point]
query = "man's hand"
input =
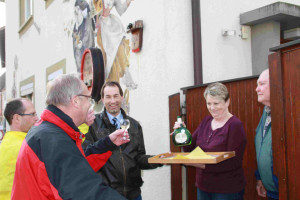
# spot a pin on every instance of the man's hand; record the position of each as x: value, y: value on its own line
x: 261, y: 191
x: 90, y: 117
x: 118, y: 137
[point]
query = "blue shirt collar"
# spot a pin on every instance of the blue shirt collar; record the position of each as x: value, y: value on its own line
x: 119, y: 117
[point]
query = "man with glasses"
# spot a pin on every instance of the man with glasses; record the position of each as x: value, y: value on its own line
x: 21, y: 116
x: 51, y: 163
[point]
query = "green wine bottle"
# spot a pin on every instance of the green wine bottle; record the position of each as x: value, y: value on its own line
x: 181, y: 136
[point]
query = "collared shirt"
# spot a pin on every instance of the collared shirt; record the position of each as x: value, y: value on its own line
x: 119, y: 117
x: 9, y: 150
x: 268, y: 119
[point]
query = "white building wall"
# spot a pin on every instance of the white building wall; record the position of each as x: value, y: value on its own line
x: 164, y: 64
x: 226, y: 57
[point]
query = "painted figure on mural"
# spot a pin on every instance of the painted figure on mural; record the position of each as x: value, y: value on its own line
x: 111, y: 40
x: 83, y: 34
x: 95, y: 22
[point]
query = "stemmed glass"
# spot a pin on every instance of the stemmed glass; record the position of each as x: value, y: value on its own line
x: 124, y: 124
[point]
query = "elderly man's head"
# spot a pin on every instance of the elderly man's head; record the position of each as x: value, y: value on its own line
x: 20, y: 114
x: 71, y: 95
x: 263, y: 88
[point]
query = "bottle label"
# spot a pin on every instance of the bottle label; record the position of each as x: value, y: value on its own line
x: 179, y: 120
x: 181, y: 137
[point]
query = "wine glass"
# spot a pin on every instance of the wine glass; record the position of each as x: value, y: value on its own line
x: 124, y: 124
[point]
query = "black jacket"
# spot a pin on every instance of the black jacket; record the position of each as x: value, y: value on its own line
x: 123, y: 169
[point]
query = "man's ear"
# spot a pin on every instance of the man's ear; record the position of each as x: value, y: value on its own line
x: 75, y: 101
x: 16, y: 118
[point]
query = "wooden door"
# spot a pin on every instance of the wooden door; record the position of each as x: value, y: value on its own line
x: 285, y: 104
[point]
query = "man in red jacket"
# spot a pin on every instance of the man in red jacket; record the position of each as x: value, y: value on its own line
x: 51, y: 163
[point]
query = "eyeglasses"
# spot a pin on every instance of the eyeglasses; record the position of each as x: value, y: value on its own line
x: 92, y: 101
x: 29, y: 114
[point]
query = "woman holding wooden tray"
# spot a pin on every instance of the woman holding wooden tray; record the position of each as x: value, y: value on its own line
x: 221, y: 131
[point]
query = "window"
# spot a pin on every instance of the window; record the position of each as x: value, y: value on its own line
x: 55, y: 70
x: 26, y: 15
x: 27, y: 88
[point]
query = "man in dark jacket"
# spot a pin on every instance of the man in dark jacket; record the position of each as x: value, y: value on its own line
x: 51, y: 163
x: 123, y: 169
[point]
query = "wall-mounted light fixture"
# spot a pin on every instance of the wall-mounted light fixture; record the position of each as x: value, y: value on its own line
x: 227, y: 32
x: 244, y: 33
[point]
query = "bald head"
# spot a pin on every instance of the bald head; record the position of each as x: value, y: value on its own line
x: 263, y: 88
x: 265, y: 74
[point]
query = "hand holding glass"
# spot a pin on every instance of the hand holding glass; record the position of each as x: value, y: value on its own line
x: 124, y: 124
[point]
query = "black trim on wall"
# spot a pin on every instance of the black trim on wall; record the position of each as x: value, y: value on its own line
x: 197, y: 44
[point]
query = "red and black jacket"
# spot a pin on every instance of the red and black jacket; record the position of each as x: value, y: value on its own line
x: 52, y: 165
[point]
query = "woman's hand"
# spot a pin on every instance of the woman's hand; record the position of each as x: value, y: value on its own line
x: 176, y: 126
x: 198, y: 165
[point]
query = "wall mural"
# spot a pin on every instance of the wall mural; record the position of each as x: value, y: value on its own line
x: 14, y: 88
x: 96, y: 26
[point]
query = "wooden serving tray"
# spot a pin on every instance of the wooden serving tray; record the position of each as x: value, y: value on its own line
x: 217, y: 157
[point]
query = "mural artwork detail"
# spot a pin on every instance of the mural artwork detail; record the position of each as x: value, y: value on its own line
x: 96, y: 26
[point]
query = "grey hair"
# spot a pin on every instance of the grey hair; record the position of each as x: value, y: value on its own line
x: 217, y: 90
x: 62, y: 89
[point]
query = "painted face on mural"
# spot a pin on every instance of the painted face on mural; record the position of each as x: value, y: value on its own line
x: 112, y: 100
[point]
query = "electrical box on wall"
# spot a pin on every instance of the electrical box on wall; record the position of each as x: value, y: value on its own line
x: 245, y: 32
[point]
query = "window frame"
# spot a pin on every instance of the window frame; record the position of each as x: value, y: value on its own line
x: 26, y: 15
x: 27, y: 88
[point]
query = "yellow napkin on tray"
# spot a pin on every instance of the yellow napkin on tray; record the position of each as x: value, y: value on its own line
x: 197, y: 153
x: 179, y: 157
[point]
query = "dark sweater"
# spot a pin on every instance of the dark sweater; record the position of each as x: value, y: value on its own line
x: 226, y: 176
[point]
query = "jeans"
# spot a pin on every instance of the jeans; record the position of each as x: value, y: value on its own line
x: 269, y: 198
x: 201, y: 195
